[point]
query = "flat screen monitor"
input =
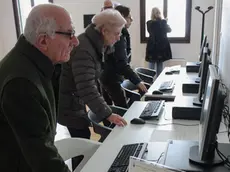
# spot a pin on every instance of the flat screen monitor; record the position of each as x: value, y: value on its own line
x: 201, y: 155
x: 211, y: 114
x: 202, y: 48
x: 205, y: 50
x: 206, y: 61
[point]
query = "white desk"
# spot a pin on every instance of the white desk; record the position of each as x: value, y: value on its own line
x: 156, y: 134
x: 182, y: 77
x: 107, y: 152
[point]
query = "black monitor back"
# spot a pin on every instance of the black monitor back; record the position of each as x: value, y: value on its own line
x: 206, y: 61
x: 204, y: 44
x: 211, y: 113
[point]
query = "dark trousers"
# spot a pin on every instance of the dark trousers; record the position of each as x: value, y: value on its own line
x: 83, y: 133
x: 112, y: 92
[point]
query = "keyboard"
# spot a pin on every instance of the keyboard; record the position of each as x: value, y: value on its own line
x: 121, y: 162
x: 152, y: 110
x: 167, y: 85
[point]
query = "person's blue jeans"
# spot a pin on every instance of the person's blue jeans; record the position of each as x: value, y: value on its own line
x: 158, y: 66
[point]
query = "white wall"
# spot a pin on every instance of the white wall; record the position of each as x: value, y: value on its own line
x: 79, y: 7
x: 217, y: 31
x: 188, y: 51
x: 224, y: 60
x: 7, y: 28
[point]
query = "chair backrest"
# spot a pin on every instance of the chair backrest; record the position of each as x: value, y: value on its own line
x: 146, y: 71
x: 174, y: 61
x: 147, y: 75
x: 104, y: 130
x: 131, y: 92
x: 72, y: 147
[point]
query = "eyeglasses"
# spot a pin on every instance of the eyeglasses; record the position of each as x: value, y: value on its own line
x: 70, y: 34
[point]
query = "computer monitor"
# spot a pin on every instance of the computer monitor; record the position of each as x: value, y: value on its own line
x: 211, y: 113
x: 201, y: 155
x: 204, y: 71
x: 205, y: 50
x: 202, y: 48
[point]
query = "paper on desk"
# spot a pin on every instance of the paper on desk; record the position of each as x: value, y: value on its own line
x: 165, y: 135
x: 141, y: 165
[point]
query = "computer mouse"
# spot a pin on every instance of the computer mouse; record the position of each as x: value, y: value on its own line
x: 168, y: 73
x: 137, y: 121
x: 157, y: 92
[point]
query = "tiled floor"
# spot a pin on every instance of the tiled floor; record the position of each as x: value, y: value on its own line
x: 94, y: 136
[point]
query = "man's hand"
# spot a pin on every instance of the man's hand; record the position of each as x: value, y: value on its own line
x: 117, y: 119
x: 142, y: 87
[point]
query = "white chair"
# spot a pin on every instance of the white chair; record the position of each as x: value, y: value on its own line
x: 71, y: 147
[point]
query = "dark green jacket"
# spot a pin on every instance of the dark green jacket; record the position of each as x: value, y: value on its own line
x: 79, y: 84
x: 27, y: 112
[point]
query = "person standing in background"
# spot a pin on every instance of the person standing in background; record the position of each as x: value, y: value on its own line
x: 108, y: 4
x: 158, y: 48
x: 116, y: 66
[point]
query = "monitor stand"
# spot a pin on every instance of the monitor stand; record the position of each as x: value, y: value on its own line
x: 197, y: 102
x: 177, y: 155
x: 195, y: 158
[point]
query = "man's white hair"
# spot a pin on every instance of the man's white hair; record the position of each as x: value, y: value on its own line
x: 109, y: 18
x: 38, y: 23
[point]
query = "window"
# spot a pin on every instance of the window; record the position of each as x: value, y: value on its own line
x: 178, y: 14
x: 21, y: 11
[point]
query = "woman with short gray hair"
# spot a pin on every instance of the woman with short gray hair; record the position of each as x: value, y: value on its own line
x: 79, y: 84
x: 79, y: 81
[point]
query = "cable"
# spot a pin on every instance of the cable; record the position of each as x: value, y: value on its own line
x: 157, y: 160
x: 222, y: 156
x: 226, y: 118
x: 226, y: 91
x: 217, y: 67
x: 160, y: 157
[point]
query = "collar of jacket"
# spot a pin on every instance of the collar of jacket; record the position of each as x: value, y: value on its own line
x: 125, y: 32
x: 42, y: 62
x: 95, y: 38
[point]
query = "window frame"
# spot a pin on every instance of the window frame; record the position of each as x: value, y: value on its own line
x: 188, y: 14
x: 17, y: 19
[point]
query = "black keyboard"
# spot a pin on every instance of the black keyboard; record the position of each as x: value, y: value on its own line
x: 153, y: 109
x: 121, y: 162
x: 167, y: 86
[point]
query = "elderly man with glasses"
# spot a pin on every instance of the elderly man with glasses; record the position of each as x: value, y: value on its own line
x: 27, y: 112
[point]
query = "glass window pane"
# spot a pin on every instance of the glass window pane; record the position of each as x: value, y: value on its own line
x: 148, y: 9
x: 37, y: 2
x: 24, y: 9
x: 177, y: 17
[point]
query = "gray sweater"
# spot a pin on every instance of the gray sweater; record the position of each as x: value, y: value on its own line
x: 79, y: 85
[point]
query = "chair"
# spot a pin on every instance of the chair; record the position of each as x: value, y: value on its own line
x: 147, y: 75
x: 104, y: 130
x: 174, y: 61
x: 71, y: 147
x: 131, y: 91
